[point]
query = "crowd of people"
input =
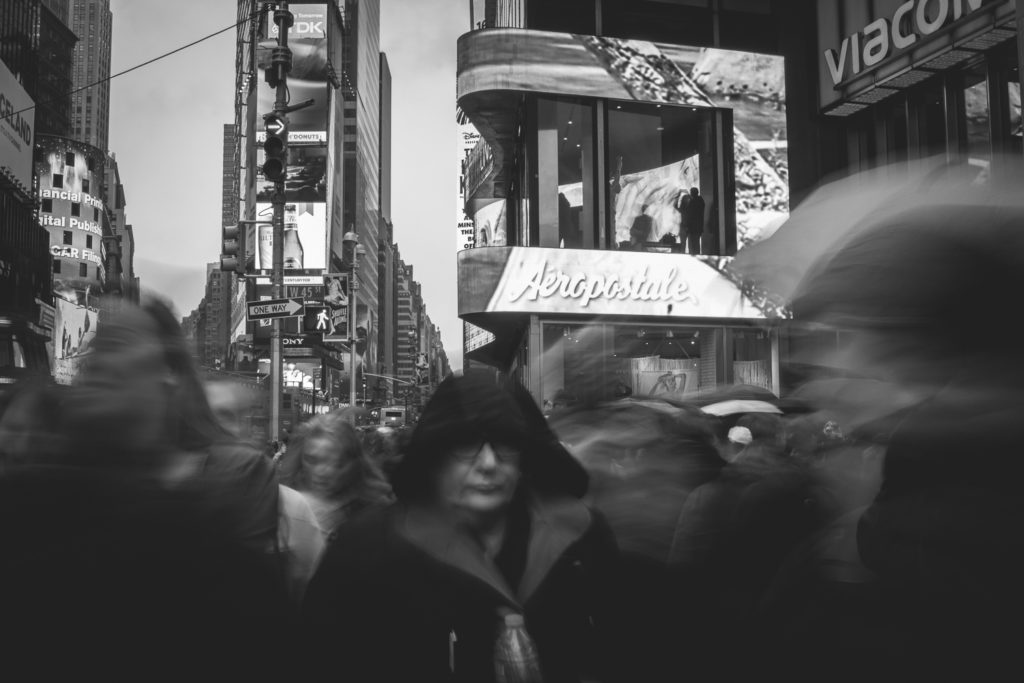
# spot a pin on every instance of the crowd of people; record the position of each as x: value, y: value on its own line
x: 145, y: 536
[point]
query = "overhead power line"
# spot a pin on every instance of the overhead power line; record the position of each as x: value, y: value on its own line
x: 154, y: 59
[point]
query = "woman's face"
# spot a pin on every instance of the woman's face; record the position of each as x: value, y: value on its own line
x: 479, y: 478
x: 329, y: 469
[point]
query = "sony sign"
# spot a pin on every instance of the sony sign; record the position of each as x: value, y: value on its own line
x: 876, y: 41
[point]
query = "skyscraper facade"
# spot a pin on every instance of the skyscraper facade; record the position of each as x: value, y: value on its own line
x: 37, y: 47
x: 91, y: 21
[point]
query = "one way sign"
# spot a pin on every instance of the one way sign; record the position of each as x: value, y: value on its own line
x: 274, y: 308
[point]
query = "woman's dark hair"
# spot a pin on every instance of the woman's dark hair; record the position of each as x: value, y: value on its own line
x: 368, y: 480
x: 471, y: 409
x: 192, y: 424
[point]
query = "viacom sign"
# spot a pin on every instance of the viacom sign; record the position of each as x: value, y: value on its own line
x: 911, y: 21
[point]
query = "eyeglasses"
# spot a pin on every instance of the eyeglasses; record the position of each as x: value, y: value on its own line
x: 503, y: 453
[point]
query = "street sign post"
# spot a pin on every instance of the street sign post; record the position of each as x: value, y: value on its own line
x: 274, y: 308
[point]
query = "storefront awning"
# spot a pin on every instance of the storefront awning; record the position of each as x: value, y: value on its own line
x: 496, y: 282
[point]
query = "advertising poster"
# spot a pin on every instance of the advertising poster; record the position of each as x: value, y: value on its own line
x: 489, y: 225
x: 307, y: 80
x: 751, y: 85
x: 336, y: 300
x: 305, y: 236
x: 17, y: 126
x: 537, y: 280
x: 74, y: 328
x: 307, y: 175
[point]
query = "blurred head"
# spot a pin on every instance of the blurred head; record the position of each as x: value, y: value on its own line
x: 229, y: 403
x: 694, y: 192
x: 325, y: 457
x: 138, y: 389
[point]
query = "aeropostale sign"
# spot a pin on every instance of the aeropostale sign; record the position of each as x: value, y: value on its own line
x: 539, y: 280
x: 873, y: 43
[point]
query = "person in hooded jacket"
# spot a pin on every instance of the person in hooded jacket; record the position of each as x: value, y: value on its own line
x: 488, y: 521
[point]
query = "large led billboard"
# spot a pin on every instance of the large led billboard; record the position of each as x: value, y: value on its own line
x: 632, y: 75
x: 308, y: 79
x: 17, y: 125
x: 305, y: 236
x: 70, y: 177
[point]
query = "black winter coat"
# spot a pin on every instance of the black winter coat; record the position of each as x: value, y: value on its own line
x: 399, y: 597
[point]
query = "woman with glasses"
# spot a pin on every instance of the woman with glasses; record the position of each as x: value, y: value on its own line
x: 488, y: 523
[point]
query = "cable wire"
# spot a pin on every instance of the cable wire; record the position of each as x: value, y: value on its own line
x: 154, y: 59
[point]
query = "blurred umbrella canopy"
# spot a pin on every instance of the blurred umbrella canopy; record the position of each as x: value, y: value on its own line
x: 923, y: 265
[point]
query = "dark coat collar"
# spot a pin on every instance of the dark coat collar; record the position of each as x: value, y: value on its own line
x: 555, y: 524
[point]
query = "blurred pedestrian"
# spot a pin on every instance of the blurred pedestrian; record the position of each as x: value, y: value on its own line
x: 325, y: 462
x: 143, y: 548
x: 733, y: 536
x: 488, y: 522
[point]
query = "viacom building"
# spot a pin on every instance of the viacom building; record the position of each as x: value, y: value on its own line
x: 630, y: 150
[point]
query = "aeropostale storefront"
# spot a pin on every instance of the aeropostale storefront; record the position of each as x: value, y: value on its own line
x: 604, y: 325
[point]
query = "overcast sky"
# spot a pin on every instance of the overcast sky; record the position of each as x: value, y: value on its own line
x: 166, y: 126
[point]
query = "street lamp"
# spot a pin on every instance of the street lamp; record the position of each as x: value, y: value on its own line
x: 353, y: 251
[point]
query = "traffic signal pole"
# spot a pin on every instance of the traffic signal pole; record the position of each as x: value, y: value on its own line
x: 280, y: 65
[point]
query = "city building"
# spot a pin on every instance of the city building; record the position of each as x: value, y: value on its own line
x: 37, y: 46
x: 120, y: 272
x: 216, y: 310
x: 384, y: 389
x: 599, y: 277
x: 91, y: 21
x: 338, y: 182
x: 596, y: 267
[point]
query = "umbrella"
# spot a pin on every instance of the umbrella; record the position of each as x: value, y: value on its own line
x: 736, y: 406
x: 841, y: 210
x: 743, y: 392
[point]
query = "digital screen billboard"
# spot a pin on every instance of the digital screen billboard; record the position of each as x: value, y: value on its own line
x: 307, y: 175
x: 305, y: 236
x: 308, y: 79
x: 697, y: 79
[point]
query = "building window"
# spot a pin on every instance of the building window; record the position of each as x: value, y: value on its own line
x: 76, y: 209
x: 56, y: 265
x: 672, y: 150
x: 88, y: 241
x: 69, y: 159
x: 67, y: 237
x: 83, y: 270
x: 85, y: 184
x: 98, y: 273
x: 58, y: 180
x: 47, y: 205
x: 95, y: 213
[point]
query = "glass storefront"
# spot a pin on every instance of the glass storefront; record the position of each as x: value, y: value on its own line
x: 600, y: 361
x: 657, y: 175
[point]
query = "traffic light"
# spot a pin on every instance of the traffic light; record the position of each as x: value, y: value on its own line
x: 275, y: 147
x: 232, y: 253
x: 317, y: 320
